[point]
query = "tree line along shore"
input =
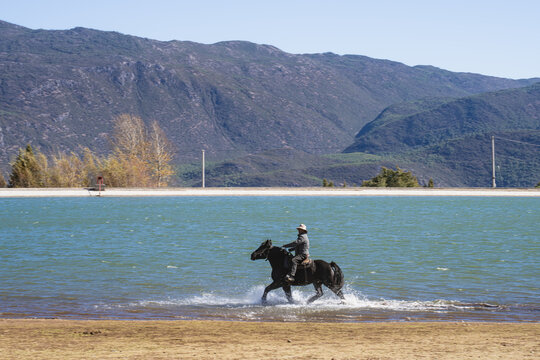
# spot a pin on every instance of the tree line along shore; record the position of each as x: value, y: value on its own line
x: 141, y: 157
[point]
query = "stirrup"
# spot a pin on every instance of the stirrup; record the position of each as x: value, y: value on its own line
x: 289, y: 278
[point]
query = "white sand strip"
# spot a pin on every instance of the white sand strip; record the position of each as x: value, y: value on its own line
x: 124, y: 192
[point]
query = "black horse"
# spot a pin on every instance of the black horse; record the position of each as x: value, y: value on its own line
x: 318, y: 272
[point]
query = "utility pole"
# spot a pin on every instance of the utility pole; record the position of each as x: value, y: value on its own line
x: 493, y: 162
x: 203, y: 168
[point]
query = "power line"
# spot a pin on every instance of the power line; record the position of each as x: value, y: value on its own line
x: 516, y: 141
x: 516, y: 159
x: 283, y: 148
x: 259, y: 150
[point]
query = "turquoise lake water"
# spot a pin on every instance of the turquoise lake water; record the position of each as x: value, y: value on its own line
x: 404, y: 258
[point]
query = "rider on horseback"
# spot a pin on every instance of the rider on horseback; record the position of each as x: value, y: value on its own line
x: 301, y: 250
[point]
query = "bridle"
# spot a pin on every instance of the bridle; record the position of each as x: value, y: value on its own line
x: 267, y: 253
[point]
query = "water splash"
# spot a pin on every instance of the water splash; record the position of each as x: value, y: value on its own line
x: 248, y: 306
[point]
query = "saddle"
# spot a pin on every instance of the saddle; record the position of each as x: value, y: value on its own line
x: 303, y: 265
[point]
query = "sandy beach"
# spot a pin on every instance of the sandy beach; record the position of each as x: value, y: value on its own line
x: 84, y: 339
x: 317, y: 191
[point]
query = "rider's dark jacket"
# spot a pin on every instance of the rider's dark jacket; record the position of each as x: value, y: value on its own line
x: 300, y: 245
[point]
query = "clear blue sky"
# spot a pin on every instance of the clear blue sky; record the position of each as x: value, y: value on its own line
x: 495, y: 37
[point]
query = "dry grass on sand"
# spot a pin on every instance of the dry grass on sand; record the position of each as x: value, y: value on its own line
x: 80, y: 339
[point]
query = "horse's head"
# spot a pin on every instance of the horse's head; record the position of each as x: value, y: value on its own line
x: 262, y: 251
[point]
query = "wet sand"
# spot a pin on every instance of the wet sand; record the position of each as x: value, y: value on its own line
x: 89, y: 339
x: 270, y: 191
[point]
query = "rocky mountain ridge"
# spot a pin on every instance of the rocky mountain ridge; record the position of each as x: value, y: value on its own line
x: 61, y: 89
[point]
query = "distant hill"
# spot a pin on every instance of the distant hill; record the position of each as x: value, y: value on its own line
x: 61, y: 89
x: 406, y: 126
x: 456, y: 134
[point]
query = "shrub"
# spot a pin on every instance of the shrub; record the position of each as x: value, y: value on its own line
x: 392, y: 178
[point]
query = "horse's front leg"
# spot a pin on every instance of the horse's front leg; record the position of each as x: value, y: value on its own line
x: 287, y: 289
x: 318, y: 289
x: 269, y: 288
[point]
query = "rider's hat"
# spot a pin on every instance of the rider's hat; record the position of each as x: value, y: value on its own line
x: 302, y: 227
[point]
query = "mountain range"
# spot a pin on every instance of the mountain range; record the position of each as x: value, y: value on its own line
x: 263, y: 116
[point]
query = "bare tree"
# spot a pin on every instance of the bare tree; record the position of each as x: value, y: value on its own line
x: 141, y: 157
x: 160, y: 154
x: 130, y: 135
x: 66, y: 171
x: 127, y: 166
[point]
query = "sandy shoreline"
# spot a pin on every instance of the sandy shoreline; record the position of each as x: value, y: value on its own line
x: 91, y: 339
x: 318, y: 191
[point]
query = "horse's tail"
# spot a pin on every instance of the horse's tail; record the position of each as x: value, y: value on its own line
x: 337, y: 278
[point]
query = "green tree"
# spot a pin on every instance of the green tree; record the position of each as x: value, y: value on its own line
x: 538, y: 185
x: 28, y: 169
x: 392, y: 178
x: 324, y: 182
x: 431, y: 184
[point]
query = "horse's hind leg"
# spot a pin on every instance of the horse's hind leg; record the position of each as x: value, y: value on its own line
x: 287, y: 289
x: 336, y: 290
x: 338, y: 293
x: 318, y: 289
